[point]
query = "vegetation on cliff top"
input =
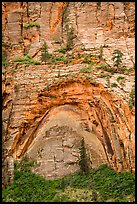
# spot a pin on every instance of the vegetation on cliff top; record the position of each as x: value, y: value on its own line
x: 102, y: 184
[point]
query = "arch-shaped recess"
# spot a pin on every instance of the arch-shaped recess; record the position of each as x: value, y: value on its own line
x: 57, y: 142
x: 72, y: 109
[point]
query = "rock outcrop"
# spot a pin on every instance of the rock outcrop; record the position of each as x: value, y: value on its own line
x: 48, y: 108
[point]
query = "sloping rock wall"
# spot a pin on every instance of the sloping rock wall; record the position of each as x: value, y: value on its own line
x: 48, y: 109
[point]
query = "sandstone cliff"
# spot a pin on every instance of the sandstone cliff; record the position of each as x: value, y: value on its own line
x: 80, y: 24
x: 48, y: 108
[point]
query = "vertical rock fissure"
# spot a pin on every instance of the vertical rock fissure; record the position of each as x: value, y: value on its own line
x: 8, y: 123
x: 27, y: 10
x: 63, y: 21
x: 55, y: 167
x: 50, y: 13
x: 62, y: 147
x: 114, y: 11
x: 125, y: 162
x: 108, y: 144
x: 107, y: 140
x: 114, y: 135
x: 76, y: 16
x: 124, y: 120
x: 21, y: 21
x: 40, y: 10
x: 105, y: 151
x: 117, y: 146
x: 97, y: 8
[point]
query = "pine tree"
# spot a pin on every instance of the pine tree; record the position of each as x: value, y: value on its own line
x: 84, y: 159
x: 117, y: 58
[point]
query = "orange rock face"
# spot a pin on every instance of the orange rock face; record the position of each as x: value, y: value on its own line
x: 49, y: 108
x: 68, y: 111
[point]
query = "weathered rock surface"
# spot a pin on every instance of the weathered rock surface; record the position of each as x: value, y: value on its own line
x: 87, y: 25
x: 47, y: 109
x: 49, y: 124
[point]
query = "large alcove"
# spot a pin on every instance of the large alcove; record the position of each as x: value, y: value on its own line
x: 66, y: 112
x: 57, y: 142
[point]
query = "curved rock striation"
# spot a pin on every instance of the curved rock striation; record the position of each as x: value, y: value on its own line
x: 66, y: 112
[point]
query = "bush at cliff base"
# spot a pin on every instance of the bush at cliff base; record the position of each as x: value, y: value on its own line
x: 98, y: 185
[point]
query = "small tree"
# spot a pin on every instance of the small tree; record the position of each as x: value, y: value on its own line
x: 44, y: 53
x: 101, y: 52
x: 117, y: 58
x: 70, y: 37
x: 84, y: 159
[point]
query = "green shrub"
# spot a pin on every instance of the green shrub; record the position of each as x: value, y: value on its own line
x: 91, y: 55
x: 88, y: 60
x: 26, y: 60
x: 4, y: 71
x: 86, y: 69
x: 120, y: 78
x: 61, y: 50
x: 31, y: 24
x: 61, y: 59
x: 79, y: 55
x: 103, y: 75
x: 24, y: 165
x: 107, y: 68
x: 109, y: 183
x: 114, y: 84
x: 125, y: 70
x: 101, y: 184
x: 62, y: 198
x: 102, y: 66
